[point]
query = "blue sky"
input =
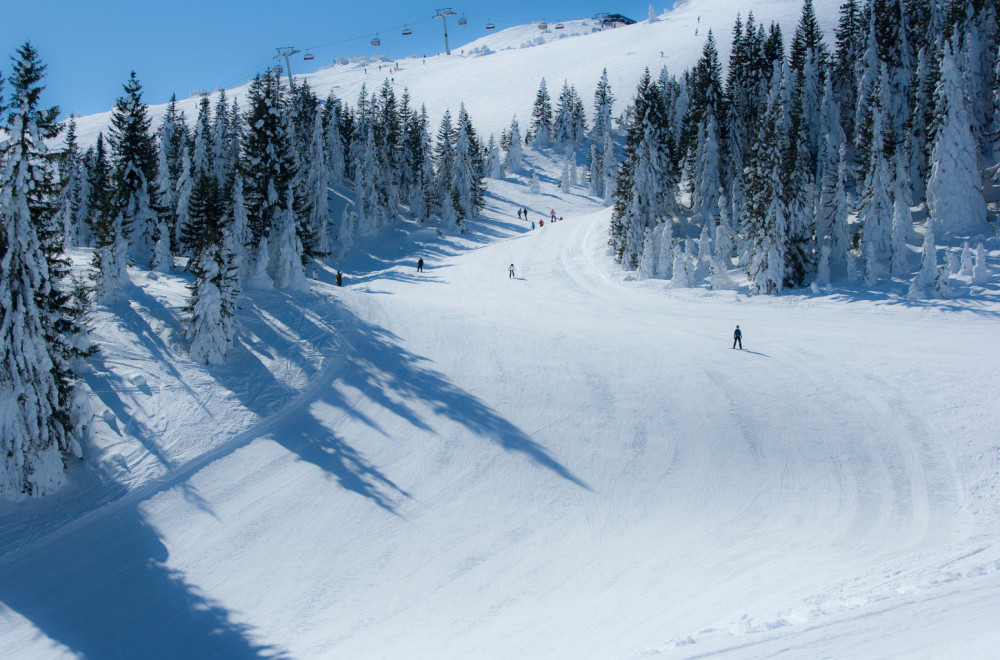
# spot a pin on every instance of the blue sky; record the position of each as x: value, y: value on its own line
x: 183, y: 45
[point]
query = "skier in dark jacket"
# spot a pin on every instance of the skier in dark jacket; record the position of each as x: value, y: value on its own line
x: 420, y: 265
x: 738, y: 338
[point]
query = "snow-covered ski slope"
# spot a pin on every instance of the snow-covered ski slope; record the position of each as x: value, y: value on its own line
x: 497, y: 86
x: 567, y: 464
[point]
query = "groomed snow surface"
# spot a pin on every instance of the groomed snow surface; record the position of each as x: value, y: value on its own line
x: 566, y: 464
x: 570, y: 463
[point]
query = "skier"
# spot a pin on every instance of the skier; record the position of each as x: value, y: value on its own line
x: 420, y: 265
x: 340, y: 278
x: 738, y: 338
x: 525, y: 213
x: 541, y: 223
x: 519, y: 214
x: 511, y: 270
x: 552, y: 214
x: 315, y: 274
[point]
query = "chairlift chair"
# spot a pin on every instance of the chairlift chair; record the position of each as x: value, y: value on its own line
x: 559, y: 26
x: 543, y: 25
x: 489, y: 25
x: 376, y: 41
x: 462, y: 20
x: 407, y: 31
x: 308, y: 56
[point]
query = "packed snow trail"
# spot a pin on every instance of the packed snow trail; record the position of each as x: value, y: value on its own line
x: 566, y: 464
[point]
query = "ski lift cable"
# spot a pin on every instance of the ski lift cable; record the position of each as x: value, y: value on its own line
x: 243, y: 76
x: 368, y: 35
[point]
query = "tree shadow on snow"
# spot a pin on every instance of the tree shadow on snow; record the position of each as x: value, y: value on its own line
x: 280, y: 321
x: 103, y: 590
x: 393, y: 377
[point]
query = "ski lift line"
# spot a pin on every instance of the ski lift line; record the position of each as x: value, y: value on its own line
x: 368, y: 35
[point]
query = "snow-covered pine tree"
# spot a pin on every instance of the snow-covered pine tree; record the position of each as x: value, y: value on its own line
x: 317, y: 181
x: 649, y: 258
x: 239, y: 226
x: 61, y: 317
x: 494, y: 168
x: 35, y: 378
x: 540, y: 132
x: 201, y: 154
x: 222, y: 156
x: 134, y: 157
x: 851, y: 34
x: 681, y: 276
x: 609, y: 167
x: 162, y: 259
x: 259, y: 277
x: 172, y: 138
x: 765, y: 224
x: 647, y: 186
x: 981, y: 272
x: 332, y: 118
x: 475, y: 160
x: 388, y: 132
x: 955, y: 189
x: 705, y: 91
x: 182, y: 217
x: 267, y: 162
x: 110, y: 255
x: 204, y: 326
x: 603, y: 102
x: 288, y: 272
x: 205, y: 329
x: 564, y: 128
x: 463, y: 183
x: 706, y: 177
x: 71, y: 175
x: 724, y: 240
x: 81, y: 221
x: 422, y: 195
x: 926, y: 278
x: 514, y: 159
x: 533, y: 186
x: 966, y: 261
x: 370, y: 212
x: 444, y: 165
x: 665, y: 257
x: 902, y: 219
x: 875, y: 213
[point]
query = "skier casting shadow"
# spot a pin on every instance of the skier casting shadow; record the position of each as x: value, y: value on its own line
x: 738, y: 338
x: 511, y: 270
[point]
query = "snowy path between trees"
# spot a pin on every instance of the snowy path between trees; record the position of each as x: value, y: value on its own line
x: 570, y: 463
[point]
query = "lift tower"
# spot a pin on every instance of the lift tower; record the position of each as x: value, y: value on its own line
x: 443, y: 14
x: 285, y: 51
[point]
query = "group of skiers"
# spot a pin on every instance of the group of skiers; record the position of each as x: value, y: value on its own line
x: 522, y: 214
